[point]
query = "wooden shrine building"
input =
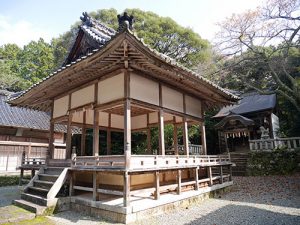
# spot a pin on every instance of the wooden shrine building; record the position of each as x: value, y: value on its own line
x: 244, y: 120
x: 112, y: 81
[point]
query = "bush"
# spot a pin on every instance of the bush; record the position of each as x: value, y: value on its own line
x: 10, y: 180
x: 278, y: 162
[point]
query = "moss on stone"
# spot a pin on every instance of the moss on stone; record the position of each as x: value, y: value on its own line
x: 278, y: 162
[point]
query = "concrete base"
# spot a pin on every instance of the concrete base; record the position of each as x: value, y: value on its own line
x: 141, y: 207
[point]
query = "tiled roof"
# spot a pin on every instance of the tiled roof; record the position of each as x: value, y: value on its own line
x: 24, y: 118
x: 250, y: 102
x: 104, y: 35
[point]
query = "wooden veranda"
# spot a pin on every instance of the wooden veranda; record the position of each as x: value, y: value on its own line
x: 126, y: 86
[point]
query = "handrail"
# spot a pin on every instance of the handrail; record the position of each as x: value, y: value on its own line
x: 58, y: 184
x: 271, y: 144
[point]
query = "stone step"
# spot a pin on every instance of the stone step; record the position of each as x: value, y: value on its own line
x: 38, y: 190
x: 32, y: 207
x: 48, y: 177
x: 39, y: 200
x: 43, y: 184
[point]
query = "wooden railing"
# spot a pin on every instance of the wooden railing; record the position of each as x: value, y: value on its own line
x: 146, y: 162
x: 271, y: 144
x: 11, y: 153
x: 138, y: 162
x: 110, y: 161
x: 193, y: 150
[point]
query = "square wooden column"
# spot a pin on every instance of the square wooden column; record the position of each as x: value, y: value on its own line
x: 203, y: 138
x: 96, y: 133
x: 175, y: 137
x: 83, y: 135
x: 161, y: 134
x: 108, y: 136
x: 69, y: 136
x: 185, y: 137
x: 127, y: 139
x: 51, y: 140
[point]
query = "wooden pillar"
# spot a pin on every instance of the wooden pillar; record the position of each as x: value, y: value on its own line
x: 178, y: 182
x: 149, y: 149
x: 161, y: 134
x: 197, y: 178
x: 108, y: 136
x: 69, y: 136
x: 83, y: 135
x: 126, y: 189
x: 156, y: 181
x: 230, y: 172
x: 96, y: 133
x: 21, y: 177
x: 185, y: 137
x: 175, y: 137
x: 203, y: 138
x: 95, y: 186
x: 127, y: 133
x: 72, y: 180
x: 209, y: 173
x: 221, y: 174
x: 51, y: 140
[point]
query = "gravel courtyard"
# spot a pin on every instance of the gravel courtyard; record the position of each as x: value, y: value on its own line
x: 273, y: 200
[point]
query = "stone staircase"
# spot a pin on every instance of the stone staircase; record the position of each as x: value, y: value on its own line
x: 39, y: 195
x: 240, y: 160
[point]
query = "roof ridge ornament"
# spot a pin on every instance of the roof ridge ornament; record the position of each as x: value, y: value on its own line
x: 86, y: 19
x: 125, y: 22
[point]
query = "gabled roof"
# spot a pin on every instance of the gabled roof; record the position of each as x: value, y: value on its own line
x: 91, y: 35
x: 110, y: 57
x: 24, y: 118
x: 245, y: 121
x: 250, y: 102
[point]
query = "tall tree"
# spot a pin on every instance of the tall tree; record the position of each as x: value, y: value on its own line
x: 161, y: 33
x: 263, y: 46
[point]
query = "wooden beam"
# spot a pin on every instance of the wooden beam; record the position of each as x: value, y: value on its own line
x: 185, y: 137
x: 126, y: 191
x: 83, y: 135
x: 161, y: 134
x: 203, y: 138
x: 156, y: 184
x: 95, y: 186
x: 127, y: 120
x: 175, y: 139
x: 69, y: 137
x: 209, y: 173
x: 178, y: 182
x: 197, y: 178
x: 149, y: 148
x: 96, y: 133
x: 108, y: 136
x: 221, y: 174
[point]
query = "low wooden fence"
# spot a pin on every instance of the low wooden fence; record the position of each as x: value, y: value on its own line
x: 11, y: 154
x: 146, y: 162
x: 271, y: 144
x: 193, y: 150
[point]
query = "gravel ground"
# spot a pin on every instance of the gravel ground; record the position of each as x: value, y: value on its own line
x: 7, y: 194
x: 272, y: 200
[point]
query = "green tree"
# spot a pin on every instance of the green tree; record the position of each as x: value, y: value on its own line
x: 36, y: 61
x: 161, y: 33
x: 249, y: 39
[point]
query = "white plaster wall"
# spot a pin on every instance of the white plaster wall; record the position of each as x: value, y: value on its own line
x: 83, y: 96
x: 103, y: 119
x: 117, y: 121
x: 172, y: 99
x: 90, y: 116
x: 139, y: 122
x: 153, y: 117
x: 144, y: 89
x: 77, y: 117
x: 61, y: 106
x: 111, y: 89
x: 193, y: 106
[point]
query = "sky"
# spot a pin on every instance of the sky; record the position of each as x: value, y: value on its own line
x: 24, y: 20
